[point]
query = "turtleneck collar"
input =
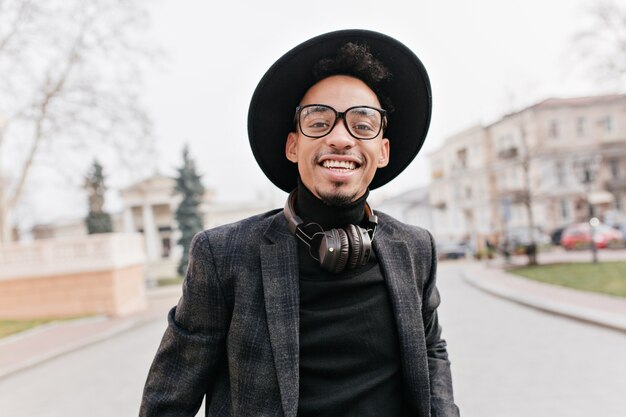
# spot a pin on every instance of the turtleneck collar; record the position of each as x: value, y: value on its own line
x: 313, y: 210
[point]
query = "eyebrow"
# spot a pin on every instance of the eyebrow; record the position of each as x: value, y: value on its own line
x: 364, y: 110
x: 316, y: 109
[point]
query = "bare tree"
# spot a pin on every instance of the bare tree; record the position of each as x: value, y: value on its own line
x: 69, y: 85
x: 601, y: 45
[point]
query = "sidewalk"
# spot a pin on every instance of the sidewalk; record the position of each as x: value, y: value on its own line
x: 29, y: 348
x: 603, y: 310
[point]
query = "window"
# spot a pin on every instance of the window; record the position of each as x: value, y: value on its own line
x: 461, y: 156
x: 608, y: 123
x: 166, y: 247
x: 581, y: 126
x: 553, y: 130
x: 559, y: 171
x: 564, y: 210
x: 614, y: 165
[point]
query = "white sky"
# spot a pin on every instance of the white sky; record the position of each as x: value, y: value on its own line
x: 484, y: 58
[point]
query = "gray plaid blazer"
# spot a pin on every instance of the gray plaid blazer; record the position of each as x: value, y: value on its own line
x: 234, y: 334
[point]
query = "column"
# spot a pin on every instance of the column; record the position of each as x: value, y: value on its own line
x: 129, y: 221
x: 150, y: 234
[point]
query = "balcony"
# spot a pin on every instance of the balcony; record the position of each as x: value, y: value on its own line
x: 615, y: 137
x: 617, y: 184
x: 516, y: 195
x: 508, y: 153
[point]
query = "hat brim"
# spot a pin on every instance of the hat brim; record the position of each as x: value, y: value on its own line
x: 270, y: 116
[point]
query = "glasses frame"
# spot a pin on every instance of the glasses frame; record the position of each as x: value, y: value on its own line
x: 342, y: 115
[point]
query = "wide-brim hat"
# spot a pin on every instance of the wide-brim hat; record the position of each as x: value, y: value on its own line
x: 273, y: 104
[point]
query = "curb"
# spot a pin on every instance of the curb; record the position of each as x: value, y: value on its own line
x: 72, y: 347
x: 597, y: 317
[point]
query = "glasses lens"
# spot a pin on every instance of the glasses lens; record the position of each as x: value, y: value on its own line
x: 316, y: 121
x: 363, y: 122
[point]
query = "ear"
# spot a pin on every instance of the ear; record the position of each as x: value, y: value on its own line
x: 383, y: 158
x: 291, y: 147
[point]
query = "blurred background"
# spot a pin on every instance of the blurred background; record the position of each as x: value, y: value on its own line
x: 123, y: 133
x: 131, y: 84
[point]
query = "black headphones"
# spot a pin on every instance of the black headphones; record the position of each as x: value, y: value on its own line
x: 339, y: 248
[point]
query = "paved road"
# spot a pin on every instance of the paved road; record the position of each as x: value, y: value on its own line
x: 104, y: 379
x: 508, y: 361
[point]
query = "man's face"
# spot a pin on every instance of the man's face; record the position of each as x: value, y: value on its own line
x: 338, y: 168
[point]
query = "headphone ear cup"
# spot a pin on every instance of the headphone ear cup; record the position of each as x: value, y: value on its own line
x: 334, y: 250
x: 360, y: 246
x: 355, y: 246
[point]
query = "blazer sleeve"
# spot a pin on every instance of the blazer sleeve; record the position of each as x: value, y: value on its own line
x: 441, y: 397
x: 192, y: 347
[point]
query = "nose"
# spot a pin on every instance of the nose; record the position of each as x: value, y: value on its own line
x: 339, y: 137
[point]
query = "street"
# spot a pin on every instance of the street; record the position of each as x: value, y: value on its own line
x: 507, y: 361
x: 513, y: 361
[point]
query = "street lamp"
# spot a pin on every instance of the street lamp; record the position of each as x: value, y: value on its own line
x: 587, y: 169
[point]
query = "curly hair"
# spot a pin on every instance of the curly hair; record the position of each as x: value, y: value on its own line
x: 357, y: 61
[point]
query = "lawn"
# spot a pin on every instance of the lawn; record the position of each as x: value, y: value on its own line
x: 162, y: 282
x: 603, y: 277
x: 9, y: 327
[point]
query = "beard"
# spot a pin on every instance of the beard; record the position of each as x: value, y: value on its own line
x: 337, y: 198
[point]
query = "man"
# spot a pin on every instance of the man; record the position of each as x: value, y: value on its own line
x: 325, y: 308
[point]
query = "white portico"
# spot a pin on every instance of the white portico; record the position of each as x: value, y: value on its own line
x: 149, y: 208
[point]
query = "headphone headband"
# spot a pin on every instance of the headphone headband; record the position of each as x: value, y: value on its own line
x: 295, y: 222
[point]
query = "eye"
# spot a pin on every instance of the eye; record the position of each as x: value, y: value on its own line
x: 316, y: 120
x: 363, y: 126
x: 364, y: 122
x: 316, y: 123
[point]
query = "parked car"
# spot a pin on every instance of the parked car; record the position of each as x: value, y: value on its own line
x: 577, y: 236
x: 621, y: 227
x: 451, y: 250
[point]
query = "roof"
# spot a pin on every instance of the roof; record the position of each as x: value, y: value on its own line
x: 557, y: 102
x: 155, y: 181
x: 578, y: 101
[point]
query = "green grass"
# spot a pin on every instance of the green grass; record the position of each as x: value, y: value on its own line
x: 9, y: 327
x: 160, y: 282
x: 603, y: 277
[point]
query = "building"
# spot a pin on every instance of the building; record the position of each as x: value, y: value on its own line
x: 412, y: 206
x: 541, y: 166
x: 149, y: 208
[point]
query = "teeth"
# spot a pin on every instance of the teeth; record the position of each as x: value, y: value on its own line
x: 339, y: 164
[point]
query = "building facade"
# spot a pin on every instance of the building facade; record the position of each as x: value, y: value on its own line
x: 539, y: 168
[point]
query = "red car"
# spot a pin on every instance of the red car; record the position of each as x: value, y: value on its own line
x: 578, y: 236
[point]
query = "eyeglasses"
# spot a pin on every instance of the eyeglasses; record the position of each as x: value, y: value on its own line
x: 362, y: 122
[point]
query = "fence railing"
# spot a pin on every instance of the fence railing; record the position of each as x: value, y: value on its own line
x: 72, y: 255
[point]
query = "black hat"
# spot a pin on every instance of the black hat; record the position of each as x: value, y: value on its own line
x: 270, y: 117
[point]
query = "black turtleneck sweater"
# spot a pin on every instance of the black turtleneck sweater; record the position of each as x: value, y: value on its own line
x: 349, y: 353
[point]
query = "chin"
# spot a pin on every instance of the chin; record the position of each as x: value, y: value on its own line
x: 337, y: 197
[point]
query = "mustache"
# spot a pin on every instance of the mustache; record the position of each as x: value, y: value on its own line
x: 335, y: 152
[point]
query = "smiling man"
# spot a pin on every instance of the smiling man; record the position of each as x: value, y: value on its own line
x: 324, y: 308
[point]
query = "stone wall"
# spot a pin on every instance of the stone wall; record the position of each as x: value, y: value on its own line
x: 96, y: 274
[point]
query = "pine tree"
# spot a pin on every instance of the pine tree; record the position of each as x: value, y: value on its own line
x: 97, y: 220
x: 188, y: 214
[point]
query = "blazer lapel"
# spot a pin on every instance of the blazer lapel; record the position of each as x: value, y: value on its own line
x: 400, y: 274
x: 279, y: 265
